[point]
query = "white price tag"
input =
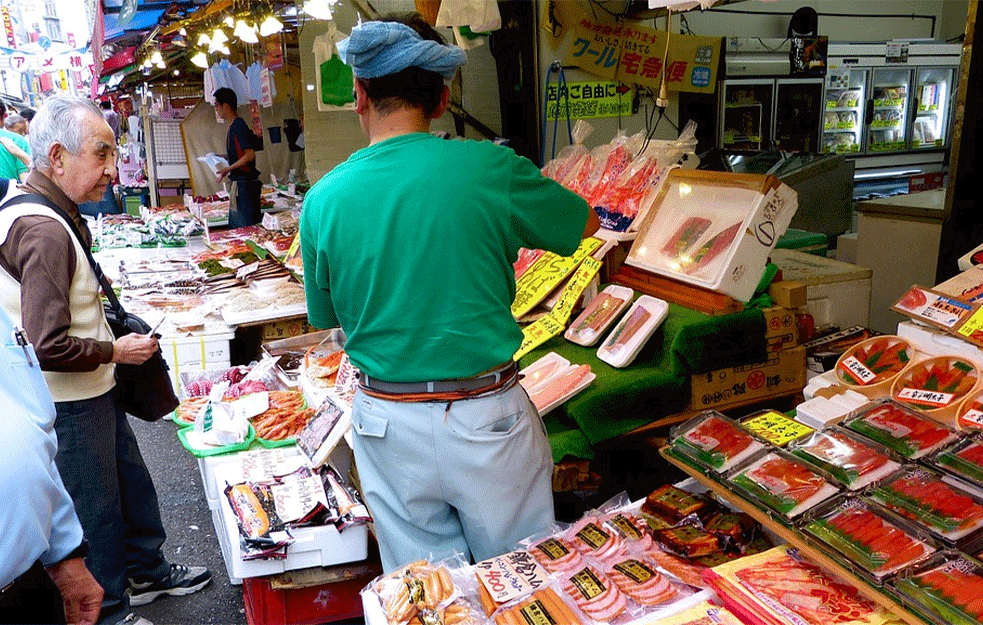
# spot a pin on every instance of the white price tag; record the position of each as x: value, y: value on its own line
x: 243, y: 272
x: 252, y: 405
x: 856, y: 370
x: 933, y: 399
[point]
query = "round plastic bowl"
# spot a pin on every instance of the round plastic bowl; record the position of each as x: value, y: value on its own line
x: 871, y: 366
x: 936, y: 386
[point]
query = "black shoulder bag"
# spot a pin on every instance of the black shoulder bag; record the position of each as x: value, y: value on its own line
x: 145, y: 390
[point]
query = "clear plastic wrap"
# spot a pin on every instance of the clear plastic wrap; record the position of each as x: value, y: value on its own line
x: 949, y: 589
x: 783, y: 483
x: 921, y: 495
x: 847, y: 457
x: 871, y: 539
x: 419, y: 588
x: 565, y: 164
x: 715, y: 441
x: 963, y: 459
x: 900, y: 429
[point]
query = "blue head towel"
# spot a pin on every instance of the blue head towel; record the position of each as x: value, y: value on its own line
x: 382, y: 48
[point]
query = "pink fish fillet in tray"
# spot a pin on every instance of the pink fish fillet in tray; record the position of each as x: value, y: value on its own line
x: 552, y: 380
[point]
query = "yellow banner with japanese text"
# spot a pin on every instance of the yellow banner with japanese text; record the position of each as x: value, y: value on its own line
x: 634, y: 54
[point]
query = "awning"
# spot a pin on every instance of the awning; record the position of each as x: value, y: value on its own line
x: 142, y: 21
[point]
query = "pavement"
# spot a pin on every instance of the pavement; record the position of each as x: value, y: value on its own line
x: 190, y: 534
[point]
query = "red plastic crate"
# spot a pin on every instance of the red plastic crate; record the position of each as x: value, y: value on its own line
x: 326, y: 603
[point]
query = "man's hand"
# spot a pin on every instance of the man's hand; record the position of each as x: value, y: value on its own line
x: 81, y: 594
x: 15, y: 151
x: 134, y: 349
x: 222, y: 173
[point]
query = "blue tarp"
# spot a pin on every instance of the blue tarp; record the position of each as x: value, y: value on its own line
x: 142, y: 21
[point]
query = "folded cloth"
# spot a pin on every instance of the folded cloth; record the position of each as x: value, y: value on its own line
x: 377, y: 49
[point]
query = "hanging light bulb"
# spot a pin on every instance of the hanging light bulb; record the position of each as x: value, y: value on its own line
x: 156, y: 57
x: 318, y: 9
x: 229, y: 21
x: 219, y: 37
x: 245, y: 32
x: 183, y: 31
x: 204, y: 40
x: 270, y: 26
x: 200, y: 60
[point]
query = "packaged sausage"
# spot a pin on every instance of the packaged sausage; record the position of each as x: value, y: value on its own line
x: 590, y: 537
x: 543, y: 606
x: 688, y: 541
x: 595, y: 594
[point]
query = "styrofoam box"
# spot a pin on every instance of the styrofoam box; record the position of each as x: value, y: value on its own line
x: 312, y: 546
x: 744, y: 216
x: 837, y: 293
x: 196, y: 353
x: 934, y: 342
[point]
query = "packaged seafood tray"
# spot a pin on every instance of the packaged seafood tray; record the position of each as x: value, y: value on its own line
x: 876, y: 543
x: 714, y: 441
x: 947, y: 590
x: 552, y: 380
x: 631, y: 333
x: 850, y: 459
x: 782, y: 586
x: 964, y: 459
x: 871, y: 366
x: 951, y: 512
x: 904, y: 431
x: 599, y: 314
x: 969, y: 415
x: 936, y: 386
x: 783, y: 483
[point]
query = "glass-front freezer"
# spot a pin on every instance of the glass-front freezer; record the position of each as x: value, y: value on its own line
x: 933, y: 93
x: 747, y: 115
x: 798, y: 103
x: 844, y: 109
x: 890, y: 97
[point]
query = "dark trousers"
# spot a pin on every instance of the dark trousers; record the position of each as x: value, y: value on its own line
x: 244, y: 203
x: 114, y: 496
x: 31, y: 598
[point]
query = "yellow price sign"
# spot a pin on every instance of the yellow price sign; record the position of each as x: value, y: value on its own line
x: 777, y: 428
x: 537, y: 333
x: 972, y: 329
x: 545, y: 274
x: 574, y: 289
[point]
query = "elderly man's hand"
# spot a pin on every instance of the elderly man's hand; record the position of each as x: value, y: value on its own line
x: 81, y: 594
x: 134, y: 349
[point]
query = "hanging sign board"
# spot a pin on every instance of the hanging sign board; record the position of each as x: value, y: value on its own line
x: 633, y: 54
x: 589, y: 99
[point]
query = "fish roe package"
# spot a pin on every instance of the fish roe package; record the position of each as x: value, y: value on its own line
x: 715, y: 441
x: 871, y: 366
x: 936, y: 386
x: 948, y: 589
x: 848, y: 458
x: 948, y: 511
x: 969, y: 415
x: 963, y: 459
x: 900, y: 429
x: 874, y: 541
x: 781, y: 586
x: 783, y: 483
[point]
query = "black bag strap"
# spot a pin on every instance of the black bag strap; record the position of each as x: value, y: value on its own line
x: 107, y: 288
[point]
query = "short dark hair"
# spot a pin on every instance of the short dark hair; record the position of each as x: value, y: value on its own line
x: 106, y: 104
x: 413, y: 86
x: 225, y: 95
x: 27, y: 113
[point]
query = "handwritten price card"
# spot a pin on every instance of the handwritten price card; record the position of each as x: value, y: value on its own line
x: 545, y: 274
x: 777, y: 428
x: 537, y: 333
x: 511, y: 576
x: 574, y: 289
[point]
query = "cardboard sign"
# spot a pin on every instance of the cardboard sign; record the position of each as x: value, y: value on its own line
x: 933, y: 308
x: 546, y: 274
x: 776, y: 428
x: 510, y: 576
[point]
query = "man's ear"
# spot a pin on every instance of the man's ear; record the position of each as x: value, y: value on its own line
x: 56, y: 154
x: 445, y: 96
x: 361, y: 100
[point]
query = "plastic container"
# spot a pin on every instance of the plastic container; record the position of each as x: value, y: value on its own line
x: 948, y: 511
x: 307, y: 605
x: 714, y: 441
x: 191, y: 441
x: 871, y: 366
x: 875, y: 542
x: 783, y: 483
x: 902, y: 430
x: 936, y: 386
x: 947, y: 589
x: 552, y: 380
x: 848, y: 458
x: 963, y: 459
x: 599, y: 314
x: 969, y: 414
x: 628, y: 337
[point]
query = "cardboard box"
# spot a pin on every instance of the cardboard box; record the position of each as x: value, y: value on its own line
x: 781, y: 330
x: 782, y: 374
x: 285, y: 329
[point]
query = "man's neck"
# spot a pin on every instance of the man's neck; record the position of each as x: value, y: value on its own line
x: 403, y: 121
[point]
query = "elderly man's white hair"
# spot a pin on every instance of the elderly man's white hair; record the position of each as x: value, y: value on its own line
x: 59, y: 120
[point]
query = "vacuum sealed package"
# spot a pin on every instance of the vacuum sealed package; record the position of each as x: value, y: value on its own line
x: 948, y: 589
x: 599, y: 314
x: 900, y: 429
x: 714, y: 441
x: 783, y: 483
x: 633, y: 331
x: 850, y: 459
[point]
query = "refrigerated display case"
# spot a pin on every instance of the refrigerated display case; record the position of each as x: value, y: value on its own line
x: 888, y: 110
x: 747, y: 114
x: 769, y: 114
x: 844, y: 111
x: 933, y: 88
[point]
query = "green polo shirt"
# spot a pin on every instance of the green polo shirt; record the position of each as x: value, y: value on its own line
x: 409, y: 244
x: 10, y: 167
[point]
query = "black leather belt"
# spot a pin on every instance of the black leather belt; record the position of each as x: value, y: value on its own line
x: 438, y: 386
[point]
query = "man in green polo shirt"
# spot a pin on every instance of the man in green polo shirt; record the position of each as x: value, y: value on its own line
x: 408, y: 246
x: 14, y: 150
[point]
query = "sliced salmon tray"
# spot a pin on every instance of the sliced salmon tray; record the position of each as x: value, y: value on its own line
x: 922, y: 496
x: 901, y: 429
x: 869, y: 539
x: 784, y: 483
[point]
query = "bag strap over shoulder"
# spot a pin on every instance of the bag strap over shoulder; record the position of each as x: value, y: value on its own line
x: 107, y: 288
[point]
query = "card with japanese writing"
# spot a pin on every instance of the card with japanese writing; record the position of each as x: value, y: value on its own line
x: 937, y: 309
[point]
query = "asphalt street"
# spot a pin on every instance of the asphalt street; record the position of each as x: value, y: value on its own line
x: 190, y: 534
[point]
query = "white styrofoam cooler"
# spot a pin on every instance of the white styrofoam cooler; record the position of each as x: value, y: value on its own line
x: 838, y: 293
x: 196, y: 353
x: 313, y: 546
